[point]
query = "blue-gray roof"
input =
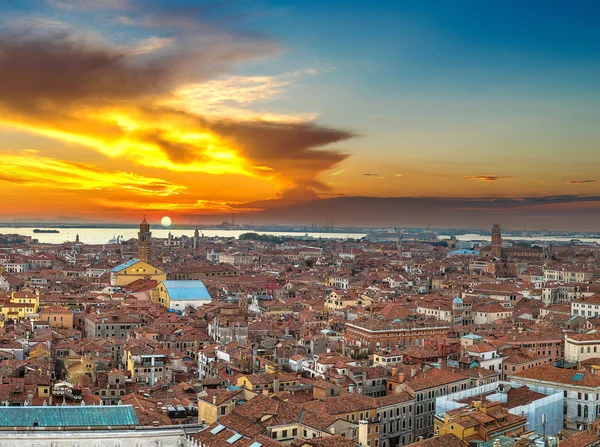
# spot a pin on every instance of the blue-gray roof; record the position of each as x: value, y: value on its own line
x: 186, y: 290
x: 472, y: 336
x: 125, y: 265
x: 68, y: 416
x: 463, y: 251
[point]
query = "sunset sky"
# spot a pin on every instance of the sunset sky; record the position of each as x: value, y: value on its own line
x: 110, y: 109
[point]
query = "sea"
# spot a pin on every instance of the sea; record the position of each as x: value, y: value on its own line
x: 98, y: 235
x: 103, y: 235
x: 473, y: 237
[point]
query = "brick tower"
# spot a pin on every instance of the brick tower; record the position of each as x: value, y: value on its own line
x: 496, y: 242
x: 145, y: 242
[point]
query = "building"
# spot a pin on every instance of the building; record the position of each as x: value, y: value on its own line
x: 133, y: 270
x: 480, y: 422
x: 218, y: 403
x: 515, y: 399
x: 569, y: 275
x: 101, y: 426
x: 273, y: 422
x: 518, y: 360
x: 115, y: 325
x: 22, y: 304
x: 179, y: 294
x: 439, y: 441
x: 395, y: 413
x: 496, y: 248
x: 587, y: 306
x: 580, y: 347
x: 204, y: 271
x: 425, y: 388
x: 57, y: 316
x: 269, y: 383
x: 236, y: 258
x: 356, y: 409
x: 148, y: 367
x: 145, y: 242
x: 580, y: 390
x: 373, y: 334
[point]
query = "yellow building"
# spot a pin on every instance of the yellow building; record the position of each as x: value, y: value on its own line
x: 480, y: 422
x: 337, y: 300
x: 268, y: 382
x: 78, y: 367
x: 22, y: 304
x: 57, y: 316
x: 133, y: 270
x: 221, y: 403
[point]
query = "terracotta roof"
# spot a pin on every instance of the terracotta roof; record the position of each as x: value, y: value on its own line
x: 549, y: 373
x: 581, y: 439
x: 440, y: 441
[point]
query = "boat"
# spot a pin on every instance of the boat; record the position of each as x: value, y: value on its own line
x: 37, y: 230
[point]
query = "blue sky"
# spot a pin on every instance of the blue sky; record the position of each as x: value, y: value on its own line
x: 437, y: 98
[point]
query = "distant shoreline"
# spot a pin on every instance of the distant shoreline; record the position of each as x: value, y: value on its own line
x: 305, y: 229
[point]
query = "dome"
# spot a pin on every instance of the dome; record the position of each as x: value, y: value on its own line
x: 457, y: 301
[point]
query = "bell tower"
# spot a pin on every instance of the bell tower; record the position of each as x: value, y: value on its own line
x: 196, y: 241
x: 496, y: 241
x: 145, y: 242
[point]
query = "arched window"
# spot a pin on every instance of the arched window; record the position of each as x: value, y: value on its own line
x: 579, y: 410
x: 585, y: 411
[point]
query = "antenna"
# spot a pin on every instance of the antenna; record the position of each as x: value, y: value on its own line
x: 544, y: 417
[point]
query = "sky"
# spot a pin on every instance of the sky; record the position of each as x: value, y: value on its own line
x: 111, y: 109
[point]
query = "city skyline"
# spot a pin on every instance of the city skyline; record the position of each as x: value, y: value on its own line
x: 375, y: 114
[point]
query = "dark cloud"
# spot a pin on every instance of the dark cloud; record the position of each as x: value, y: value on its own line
x: 569, y: 212
x: 576, y: 182
x: 292, y: 196
x: 371, y: 175
x: 488, y: 178
x: 58, y: 70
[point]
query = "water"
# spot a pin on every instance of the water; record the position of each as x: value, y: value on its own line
x: 103, y: 235
x: 478, y: 237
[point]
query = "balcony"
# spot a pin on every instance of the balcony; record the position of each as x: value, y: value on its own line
x: 67, y: 392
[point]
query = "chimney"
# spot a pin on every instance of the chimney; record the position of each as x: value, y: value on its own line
x: 363, y: 437
x: 214, y: 399
x: 276, y: 381
x: 394, y: 371
x: 401, y: 377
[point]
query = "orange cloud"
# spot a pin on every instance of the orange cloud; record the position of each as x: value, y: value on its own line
x: 31, y: 169
x: 128, y: 105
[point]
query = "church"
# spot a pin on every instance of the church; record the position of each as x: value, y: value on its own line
x: 497, y: 251
x: 140, y: 267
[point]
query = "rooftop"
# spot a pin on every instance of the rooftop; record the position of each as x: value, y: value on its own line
x: 186, y: 290
x: 68, y: 416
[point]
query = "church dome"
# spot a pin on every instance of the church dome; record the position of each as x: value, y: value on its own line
x: 457, y: 301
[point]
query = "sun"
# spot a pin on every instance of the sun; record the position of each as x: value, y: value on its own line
x: 166, y: 221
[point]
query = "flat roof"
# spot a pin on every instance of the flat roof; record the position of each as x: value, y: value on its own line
x: 125, y: 265
x: 186, y: 290
x: 68, y: 416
